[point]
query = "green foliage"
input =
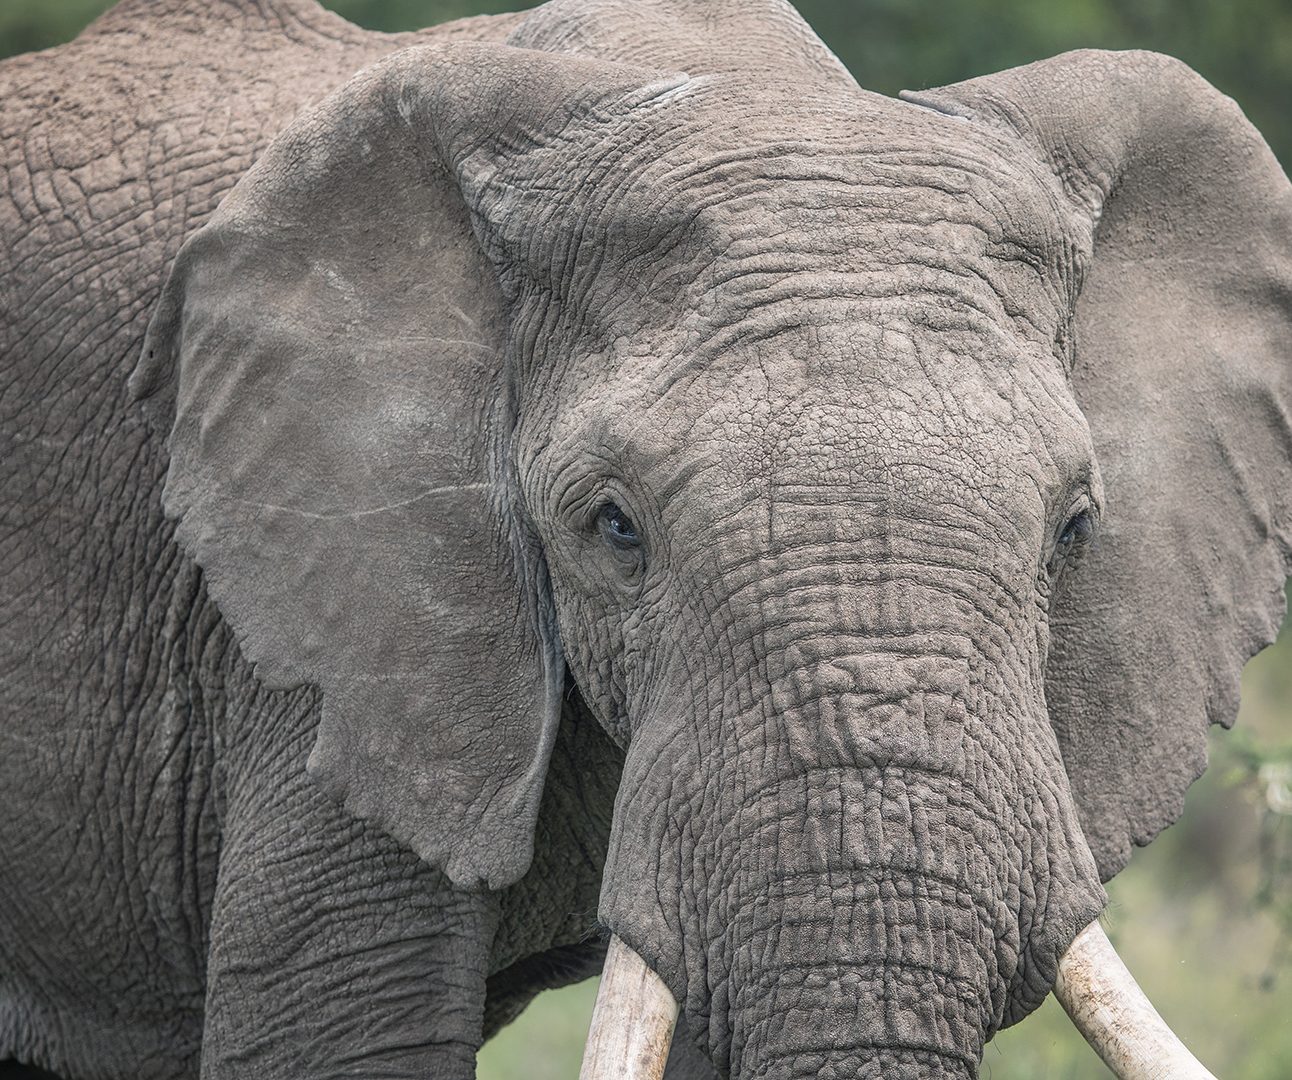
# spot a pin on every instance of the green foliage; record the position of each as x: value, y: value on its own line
x: 28, y: 25
x: 546, y: 1043
x: 1243, y: 46
x: 394, y: 15
x: 1259, y: 764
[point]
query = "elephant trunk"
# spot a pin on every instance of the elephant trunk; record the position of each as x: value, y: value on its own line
x: 855, y: 853
x: 857, y: 857
x: 880, y: 974
x: 860, y: 892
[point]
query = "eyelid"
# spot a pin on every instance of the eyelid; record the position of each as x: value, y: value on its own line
x: 604, y: 496
x: 582, y: 501
x: 1082, y: 503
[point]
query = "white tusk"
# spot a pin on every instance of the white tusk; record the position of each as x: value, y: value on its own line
x: 1111, y: 1012
x: 632, y: 1022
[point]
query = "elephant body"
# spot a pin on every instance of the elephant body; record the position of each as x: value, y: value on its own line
x: 602, y: 470
x: 142, y: 732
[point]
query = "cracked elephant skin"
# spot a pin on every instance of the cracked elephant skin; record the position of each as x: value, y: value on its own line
x: 601, y: 470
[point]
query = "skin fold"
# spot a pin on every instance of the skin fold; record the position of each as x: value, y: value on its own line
x: 603, y: 471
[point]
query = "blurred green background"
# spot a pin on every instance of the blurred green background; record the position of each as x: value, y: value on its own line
x: 1204, y: 916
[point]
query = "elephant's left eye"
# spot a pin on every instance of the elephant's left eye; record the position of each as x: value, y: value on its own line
x: 617, y: 527
x: 1074, y: 536
x: 1079, y: 529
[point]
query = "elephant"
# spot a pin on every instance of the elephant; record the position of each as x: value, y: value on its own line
x: 597, y: 482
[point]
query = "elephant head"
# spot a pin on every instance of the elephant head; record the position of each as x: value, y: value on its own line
x: 902, y: 484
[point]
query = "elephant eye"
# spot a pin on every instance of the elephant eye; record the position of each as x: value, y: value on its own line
x: 617, y: 527
x: 1079, y: 529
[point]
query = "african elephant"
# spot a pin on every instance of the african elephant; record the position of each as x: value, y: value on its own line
x: 600, y: 475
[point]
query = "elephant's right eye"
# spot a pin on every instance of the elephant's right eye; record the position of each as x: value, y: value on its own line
x: 617, y: 527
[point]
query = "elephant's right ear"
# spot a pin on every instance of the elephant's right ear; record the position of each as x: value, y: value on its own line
x: 331, y: 356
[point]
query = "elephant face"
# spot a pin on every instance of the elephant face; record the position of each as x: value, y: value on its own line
x: 829, y: 441
x: 802, y: 538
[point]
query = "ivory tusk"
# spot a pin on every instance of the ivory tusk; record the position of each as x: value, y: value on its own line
x: 632, y: 1022
x: 1115, y: 1017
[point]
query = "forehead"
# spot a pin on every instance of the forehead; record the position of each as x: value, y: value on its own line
x: 730, y: 198
x: 877, y: 401
x: 853, y: 287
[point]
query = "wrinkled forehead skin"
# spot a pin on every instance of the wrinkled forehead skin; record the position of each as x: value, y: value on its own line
x: 787, y: 266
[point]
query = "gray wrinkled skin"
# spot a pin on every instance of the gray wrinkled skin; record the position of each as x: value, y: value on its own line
x: 954, y: 432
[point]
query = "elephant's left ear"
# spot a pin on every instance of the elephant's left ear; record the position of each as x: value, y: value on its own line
x: 330, y: 356
x: 1184, y: 371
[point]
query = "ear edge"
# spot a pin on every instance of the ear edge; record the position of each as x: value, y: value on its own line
x: 496, y: 850
x: 1166, y: 113
x: 494, y: 854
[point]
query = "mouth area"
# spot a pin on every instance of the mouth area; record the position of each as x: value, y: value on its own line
x: 850, y: 925
x: 635, y: 1015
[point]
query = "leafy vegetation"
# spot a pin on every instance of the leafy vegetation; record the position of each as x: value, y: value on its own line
x: 1243, y: 46
x: 1204, y: 916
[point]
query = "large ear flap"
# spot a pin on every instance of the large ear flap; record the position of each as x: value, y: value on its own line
x: 1184, y: 370
x: 333, y: 348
